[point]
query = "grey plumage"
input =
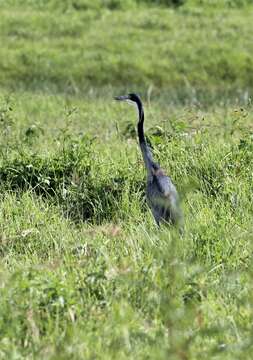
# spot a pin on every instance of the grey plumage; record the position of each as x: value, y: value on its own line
x: 162, y: 196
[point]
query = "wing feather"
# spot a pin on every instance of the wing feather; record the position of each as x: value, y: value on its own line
x: 163, y: 198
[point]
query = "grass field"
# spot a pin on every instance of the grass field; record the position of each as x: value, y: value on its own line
x: 84, y: 272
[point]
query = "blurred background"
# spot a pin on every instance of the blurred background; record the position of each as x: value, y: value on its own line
x: 191, y: 50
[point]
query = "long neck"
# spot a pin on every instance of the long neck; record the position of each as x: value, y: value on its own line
x: 146, y: 153
x: 141, y: 135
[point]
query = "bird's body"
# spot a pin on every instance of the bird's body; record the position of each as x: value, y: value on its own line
x: 162, y: 196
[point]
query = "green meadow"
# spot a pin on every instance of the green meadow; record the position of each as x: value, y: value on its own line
x: 84, y: 271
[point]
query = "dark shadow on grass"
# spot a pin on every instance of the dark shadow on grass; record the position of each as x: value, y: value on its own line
x: 68, y: 180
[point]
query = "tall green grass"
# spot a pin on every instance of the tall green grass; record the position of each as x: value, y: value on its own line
x: 84, y: 271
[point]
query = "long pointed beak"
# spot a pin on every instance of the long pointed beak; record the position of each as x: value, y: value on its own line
x: 121, y: 98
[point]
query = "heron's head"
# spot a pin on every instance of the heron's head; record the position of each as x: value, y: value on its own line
x: 130, y: 98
